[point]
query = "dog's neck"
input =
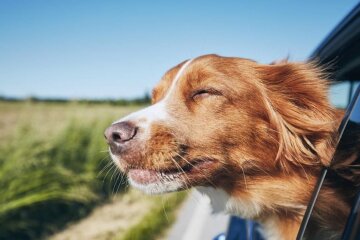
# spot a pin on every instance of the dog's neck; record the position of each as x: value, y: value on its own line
x: 274, y: 227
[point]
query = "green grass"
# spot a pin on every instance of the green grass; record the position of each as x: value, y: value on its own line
x: 157, y: 220
x: 51, y: 155
x: 49, y: 166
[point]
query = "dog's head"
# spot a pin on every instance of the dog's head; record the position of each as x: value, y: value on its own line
x: 226, y: 122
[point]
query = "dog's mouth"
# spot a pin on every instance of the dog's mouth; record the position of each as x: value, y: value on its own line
x: 187, y: 174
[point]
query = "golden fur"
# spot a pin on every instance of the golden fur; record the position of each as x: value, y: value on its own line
x: 263, y: 131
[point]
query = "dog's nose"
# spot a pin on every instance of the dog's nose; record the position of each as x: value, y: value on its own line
x: 120, y: 132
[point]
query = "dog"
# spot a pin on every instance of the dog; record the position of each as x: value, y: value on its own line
x: 253, y: 137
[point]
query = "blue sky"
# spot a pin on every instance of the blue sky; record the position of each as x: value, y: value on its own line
x: 114, y: 49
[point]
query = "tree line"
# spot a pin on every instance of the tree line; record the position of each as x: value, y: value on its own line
x: 146, y: 99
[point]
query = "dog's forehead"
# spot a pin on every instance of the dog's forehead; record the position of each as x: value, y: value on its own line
x: 207, y: 67
x: 193, y: 69
x: 164, y: 84
x: 169, y: 79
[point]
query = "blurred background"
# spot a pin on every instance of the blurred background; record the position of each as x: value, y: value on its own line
x: 70, y: 68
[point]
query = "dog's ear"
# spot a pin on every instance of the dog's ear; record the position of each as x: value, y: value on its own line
x: 295, y: 95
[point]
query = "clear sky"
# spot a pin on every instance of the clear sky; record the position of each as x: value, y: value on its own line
x: 114, y: 49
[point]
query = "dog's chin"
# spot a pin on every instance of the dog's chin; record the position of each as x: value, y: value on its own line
x: 167, y: 180
x: 152, y: 182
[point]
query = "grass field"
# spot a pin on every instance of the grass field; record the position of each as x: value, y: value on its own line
x: 51, y: 157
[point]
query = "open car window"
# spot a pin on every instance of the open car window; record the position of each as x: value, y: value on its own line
x: 341, y: 51
x: 341, y: 93
x: 342, y: 178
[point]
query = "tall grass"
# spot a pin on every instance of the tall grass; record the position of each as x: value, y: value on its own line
x: 46, y: 182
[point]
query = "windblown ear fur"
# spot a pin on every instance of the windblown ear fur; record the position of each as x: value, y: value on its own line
x: 295, y: 95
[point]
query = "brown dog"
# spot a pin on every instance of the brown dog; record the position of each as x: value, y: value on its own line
x: 253, y: 137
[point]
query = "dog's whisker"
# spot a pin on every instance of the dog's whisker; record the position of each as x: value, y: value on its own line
x: 104, y: 151
x: 112, y: 168
x: 102, y: 159
x: 121, y: 182
x: 182, y: 170
x: 166, y: 216
x: 243, y: 173
x: 110, y: 163
x: 211, y: 183
x: 118, y: 174
x: 114, y: 173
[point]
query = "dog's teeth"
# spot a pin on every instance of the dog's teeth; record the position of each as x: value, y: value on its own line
x: 167, y: 177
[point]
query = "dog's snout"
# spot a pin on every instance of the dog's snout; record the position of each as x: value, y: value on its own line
x: 120, y: 132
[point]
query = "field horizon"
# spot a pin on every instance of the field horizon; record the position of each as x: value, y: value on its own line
x: 55, y: 170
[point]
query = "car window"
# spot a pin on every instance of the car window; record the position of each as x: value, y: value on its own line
x: 339, y: 94
x: 340, y: 183
x: 355, y: 85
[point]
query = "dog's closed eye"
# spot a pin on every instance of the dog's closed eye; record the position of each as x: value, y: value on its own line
x: 204, y: 93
